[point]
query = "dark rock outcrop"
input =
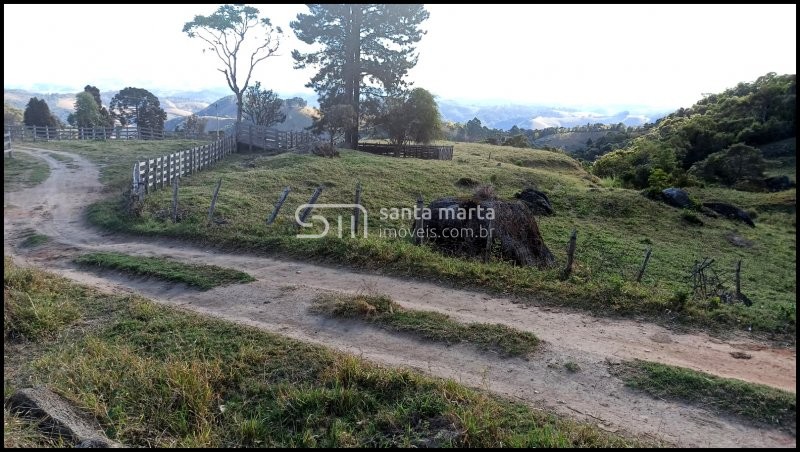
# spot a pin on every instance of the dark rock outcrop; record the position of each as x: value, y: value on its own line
x: 730, y: 211
x: 462, y: 225
x: 57, y: 417
x: 778, y: 183
x: 536, y: 200
x: 676, y: 198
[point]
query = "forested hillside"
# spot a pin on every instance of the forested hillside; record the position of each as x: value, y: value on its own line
x: 717, y: 140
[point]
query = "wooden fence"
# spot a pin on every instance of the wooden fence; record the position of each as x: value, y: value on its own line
x: 6, y: 141
x: 34, y: 133
x: 409, y: 151
x: 153, y: 174
x: 265, y: 138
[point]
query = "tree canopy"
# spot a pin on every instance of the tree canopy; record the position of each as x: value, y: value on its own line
x: 37, y: 113
x: 227, y: 33
x: 262, y: 107
x: 138, y: 106
x: 193, y: 126
x: 355, y: 41
x: 87, y: 112
x: 335, y: 120
x: 412, y: 117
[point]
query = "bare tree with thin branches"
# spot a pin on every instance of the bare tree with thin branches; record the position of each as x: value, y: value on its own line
x: 225, y: 31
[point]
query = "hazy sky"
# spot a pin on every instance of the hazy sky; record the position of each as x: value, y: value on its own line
x: 657, y: 56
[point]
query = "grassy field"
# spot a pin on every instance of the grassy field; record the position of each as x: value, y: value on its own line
x: 615, y: 227
x: 116, y: 158
x: 23, y: 171
x: 203, y: 277
x: 155, y: 376
x: 382, y: 311
x: 747, y: 400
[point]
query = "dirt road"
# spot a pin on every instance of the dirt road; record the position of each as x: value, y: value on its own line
x: 278, y: 301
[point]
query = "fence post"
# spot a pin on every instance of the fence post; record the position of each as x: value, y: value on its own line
x: 644, y: 265
x: 147, y: 178
x: 570, y: 254
x: 136, y: 181
x: 161, y: 172
x: 313, y: 200
x: 214, y: 201
x: 175, y: 199
x: 418, y: 224
x: 169, y: 169
x: 278, y: 205
x: 250, y: 140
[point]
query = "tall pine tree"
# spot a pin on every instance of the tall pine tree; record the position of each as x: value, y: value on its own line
x: 362, y: 40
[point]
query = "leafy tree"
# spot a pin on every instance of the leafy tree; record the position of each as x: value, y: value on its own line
x: 738, y: 163
x: 413, y: 116
x: 225, y: 32
x: 87, y: 112
x: 358, y: 41
x: 105, y: 116
x: 658, y: 179
x: 475, y: 131
x: 335, y: 120
x: 12, y: 116
x: 138, y: 106
x: 193, y: 125
x: 517, y: 141
x: 262, y: 107
x: 37, y: 113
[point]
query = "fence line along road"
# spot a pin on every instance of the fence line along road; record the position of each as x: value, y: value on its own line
x: 266, y: 138
x: 409, y: 151
x: 36, y: 133
x: 159, y: 172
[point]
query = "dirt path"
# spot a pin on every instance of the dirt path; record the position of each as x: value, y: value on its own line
x: 279, y: 302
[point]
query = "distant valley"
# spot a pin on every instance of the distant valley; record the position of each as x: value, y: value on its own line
x: 215, y: 103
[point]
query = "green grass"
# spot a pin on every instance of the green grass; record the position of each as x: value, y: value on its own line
x: 33, y: 239
x: 615, y: 226
x: 116, y: 158
x: 23, y: 171
x: 34, y: 308
x: 751, y: 401
x: 782, y: 166
x: 18, y: 433
x: 433, y: 326
x: 154, y: 376
x: 203, y: 277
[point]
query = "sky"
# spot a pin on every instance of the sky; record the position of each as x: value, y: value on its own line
x: 658, y: 56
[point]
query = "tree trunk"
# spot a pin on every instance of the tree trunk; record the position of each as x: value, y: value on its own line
x: 352, y: 72
x: 347, y: 71
x: 357, y: 74
x: 238, y: 108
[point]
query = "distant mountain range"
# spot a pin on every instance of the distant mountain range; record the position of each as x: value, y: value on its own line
x: 505, y: 117
x: 218, y: 103
x: 222, y: 113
